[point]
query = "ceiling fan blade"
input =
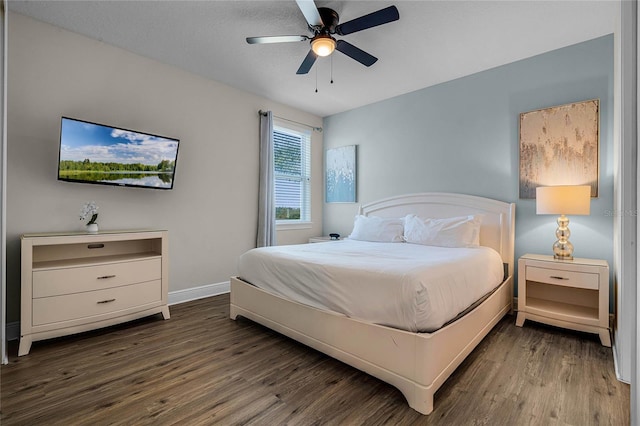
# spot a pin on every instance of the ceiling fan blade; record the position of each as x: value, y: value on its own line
x: 382, y: 16
x: 310, y: 12
x: 353, y: 52
x: 308, y: 62
x: 276, y: 39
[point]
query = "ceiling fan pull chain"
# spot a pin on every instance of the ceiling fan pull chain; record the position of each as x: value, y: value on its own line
x: 316, y: 79
x: 331, y: 69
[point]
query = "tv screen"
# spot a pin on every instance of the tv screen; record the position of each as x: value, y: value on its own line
x: 95, y: 153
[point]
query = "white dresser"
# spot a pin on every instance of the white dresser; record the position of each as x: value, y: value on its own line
x: 75, y: 282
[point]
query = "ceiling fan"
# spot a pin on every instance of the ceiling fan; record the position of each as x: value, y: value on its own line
x: 323, y: 24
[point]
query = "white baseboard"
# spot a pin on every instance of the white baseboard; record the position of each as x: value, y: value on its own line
x: 175, y: 297
x: 614, y: 348
x: 186, y: 295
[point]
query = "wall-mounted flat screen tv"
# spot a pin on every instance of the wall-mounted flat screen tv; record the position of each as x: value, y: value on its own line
x: 95, y: 153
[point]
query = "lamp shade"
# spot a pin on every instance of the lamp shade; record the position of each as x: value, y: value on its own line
x: 563, y: 199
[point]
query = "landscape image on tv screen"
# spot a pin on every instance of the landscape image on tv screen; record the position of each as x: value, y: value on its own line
x: 94, y: 153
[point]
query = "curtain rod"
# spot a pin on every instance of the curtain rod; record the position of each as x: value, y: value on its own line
x: 317, y: 129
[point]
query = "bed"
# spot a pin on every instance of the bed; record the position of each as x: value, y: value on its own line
x: 415, y: 362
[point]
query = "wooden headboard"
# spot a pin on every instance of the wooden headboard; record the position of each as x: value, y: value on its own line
x: 498, y: 224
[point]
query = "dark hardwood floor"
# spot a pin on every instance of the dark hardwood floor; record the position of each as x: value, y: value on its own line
x: 200, y: 367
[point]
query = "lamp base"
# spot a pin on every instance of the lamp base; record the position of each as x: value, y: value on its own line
x: 562, y: 248
x: 557, y: 257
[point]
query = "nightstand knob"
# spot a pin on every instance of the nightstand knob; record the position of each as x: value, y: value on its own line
x: 555, y: 277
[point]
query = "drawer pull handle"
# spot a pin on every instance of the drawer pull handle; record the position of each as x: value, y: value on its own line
x: 106, y: 301
x: 95, y: 246
x: 104, y: 277
x: 555, y: 277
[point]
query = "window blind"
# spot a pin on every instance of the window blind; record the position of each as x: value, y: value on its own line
x: 292, y: 164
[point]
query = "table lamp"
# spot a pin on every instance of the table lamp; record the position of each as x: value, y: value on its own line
x: 563, y: 200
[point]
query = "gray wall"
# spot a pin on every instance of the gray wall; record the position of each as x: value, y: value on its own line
x: 462, y: 136
x: 211, y: 213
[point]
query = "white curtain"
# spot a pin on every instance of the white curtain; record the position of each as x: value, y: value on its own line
x: 266, y: 197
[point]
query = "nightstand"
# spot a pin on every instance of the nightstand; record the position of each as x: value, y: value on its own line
x: 321, y: 239
x: 570, y: 294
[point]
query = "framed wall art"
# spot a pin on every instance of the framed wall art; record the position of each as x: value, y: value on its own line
x: 341, y: 175
x: 560, y: 146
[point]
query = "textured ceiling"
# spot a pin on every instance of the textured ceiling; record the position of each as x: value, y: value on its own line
x: 433, y: 42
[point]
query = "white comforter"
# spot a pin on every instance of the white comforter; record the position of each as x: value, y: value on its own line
x: 407, y: 286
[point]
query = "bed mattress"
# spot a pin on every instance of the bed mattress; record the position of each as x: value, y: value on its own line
x: 407, y: 286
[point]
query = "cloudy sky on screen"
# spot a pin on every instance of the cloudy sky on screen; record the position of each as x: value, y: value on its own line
x: 101, y: 144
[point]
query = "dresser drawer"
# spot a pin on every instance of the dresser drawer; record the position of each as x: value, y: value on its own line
x: 49, y: 310
x: 563, y: 278
x: 56, y: 282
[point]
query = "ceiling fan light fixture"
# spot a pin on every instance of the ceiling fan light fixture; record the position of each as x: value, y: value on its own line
x: 323, y: 45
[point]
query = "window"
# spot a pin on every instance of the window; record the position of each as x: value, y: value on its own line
x: 292, y: 164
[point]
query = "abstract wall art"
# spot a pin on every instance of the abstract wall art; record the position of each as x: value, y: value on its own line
x: 559, y: 146
x: 341, y: 175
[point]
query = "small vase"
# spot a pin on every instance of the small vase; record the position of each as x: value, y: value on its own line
x: 92, y: 228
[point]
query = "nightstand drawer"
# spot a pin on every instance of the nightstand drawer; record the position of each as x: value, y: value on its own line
x: 563, y: 278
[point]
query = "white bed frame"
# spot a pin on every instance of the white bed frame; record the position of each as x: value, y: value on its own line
x: 416, y: 363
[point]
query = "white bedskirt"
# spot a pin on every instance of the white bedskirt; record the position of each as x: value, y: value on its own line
x: 407, y: 286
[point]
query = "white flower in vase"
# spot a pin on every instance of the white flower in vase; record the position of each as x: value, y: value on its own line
x: 90, y: 209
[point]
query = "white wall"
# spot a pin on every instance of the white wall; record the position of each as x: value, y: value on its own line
x: 625, y: 224
x: 211, y: 213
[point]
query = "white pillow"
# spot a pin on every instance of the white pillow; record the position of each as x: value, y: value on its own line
x: 377, y: 229
x: 462, y: 231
